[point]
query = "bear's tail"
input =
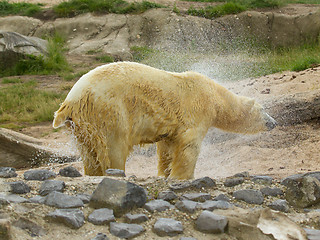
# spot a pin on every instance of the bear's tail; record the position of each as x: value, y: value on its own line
x: 61, y: 116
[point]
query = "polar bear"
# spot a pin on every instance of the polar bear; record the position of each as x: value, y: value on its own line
x: 116, y: 106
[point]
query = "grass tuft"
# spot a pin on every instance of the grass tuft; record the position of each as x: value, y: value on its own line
x: 24, y: 9
x: 23, y: 102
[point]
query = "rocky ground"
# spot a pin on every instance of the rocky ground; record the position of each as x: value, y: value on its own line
x: 242, y: 178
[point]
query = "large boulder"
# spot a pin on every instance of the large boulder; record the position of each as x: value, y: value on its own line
x: 14, y: 46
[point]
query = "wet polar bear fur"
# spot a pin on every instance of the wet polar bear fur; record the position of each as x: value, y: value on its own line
x: 119, y: 105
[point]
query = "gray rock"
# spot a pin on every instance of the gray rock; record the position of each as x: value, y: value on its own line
x: 167, y: 227
x: 262, y: 179
x: 101, y: 216
x: 3, y: 201
x: 136, y: 218
x: 121, y: 196
x: 49, y: 186
x: 38, y: 174
x: 8, y: 172
x: 69, y: 171
x: 279, y: 205
x: 303, y: 192
x: 84, y: 197
x: 33, y: 228
x: 187, y: 238
x: 167, y: 195
x: 19, y: 187
x: 125, y: 230
x: 209, y: 222
x: 313, y: 234
x: 100, y: 236
x: 115, y: 172
x: 287, y: 180
x: 187, y: 206
x: 222, y: 197
x: 211, y: 205
x: 242, y: 174
x: 267, y: 191
x: 313, y: 174
x: 13, y: 198
x: 37, y: 199
x: 231, y: 182
x: 198, y: 197
x: 199, y: 183
x: 181, y: 186
x: 73, y: 218
x: 249, y: 196
x: 157, y: 205
x: 61, y: 200
x: 204, y: 182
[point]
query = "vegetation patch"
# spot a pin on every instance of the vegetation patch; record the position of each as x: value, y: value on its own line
x: 75, y: 7
x: 23, y: 103
x: 54, y: 62
x: 140, y: 53
x: 24, y: 9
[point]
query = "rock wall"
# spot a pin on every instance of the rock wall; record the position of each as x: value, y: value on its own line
x: 162, y: 28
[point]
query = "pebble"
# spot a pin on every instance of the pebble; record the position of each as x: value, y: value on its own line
x: 231, y: 182
x: 167, y: 195
x: 73, y: 218
x: 69, y: 171
x: 8, y: 172
x: 84, y: 197
x: 100, y: 236
x: 38, y: 174
x: 262, y: 179
x: 187, y: 206
x: 267, y: 191
x: 115, y: 172
x: 13, y: 198
x: 209, y: 222
x: 125, y: 230
x: 242, y: 174
x: 167, y: 227
x: 101, y: 216
x: 279, y: 205
x: 49, y: 186
x: 19, y: 187
x: 222, y: 197
x: 205, y: 182
x: 198, y: 197
x: 187, y: 238
x: 211, y: 205
x: 249, y: 196
x: 37, y: 199
x: 158, y: 205
x: 61, y: 200
x: 136, y: 218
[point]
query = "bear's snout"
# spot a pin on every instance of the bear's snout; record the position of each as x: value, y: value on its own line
x: 270, y: 122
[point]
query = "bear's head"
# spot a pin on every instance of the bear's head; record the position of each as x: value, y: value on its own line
x: 254, y: 118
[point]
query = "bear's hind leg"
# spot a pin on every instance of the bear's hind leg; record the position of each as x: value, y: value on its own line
x: 164, y: 150
x: 118, y: 151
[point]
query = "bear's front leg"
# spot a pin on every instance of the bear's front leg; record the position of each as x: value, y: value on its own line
x: 186, y: 151
x: 165, y: 154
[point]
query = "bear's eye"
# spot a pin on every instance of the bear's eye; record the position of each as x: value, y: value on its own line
x: 69, y: 119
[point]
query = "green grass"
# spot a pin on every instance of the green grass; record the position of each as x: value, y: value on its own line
x: 294, y: 59
x: 23, y: 103
x: 217, y: 11
x: 25, y: 9
x: 54, y: 62
x: 140, y: 53
x: 10, y: 80
x: 75, y: 7
x: 105, y: 58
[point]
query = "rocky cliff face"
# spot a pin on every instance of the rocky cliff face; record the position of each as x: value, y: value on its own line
x: 163, y: 29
